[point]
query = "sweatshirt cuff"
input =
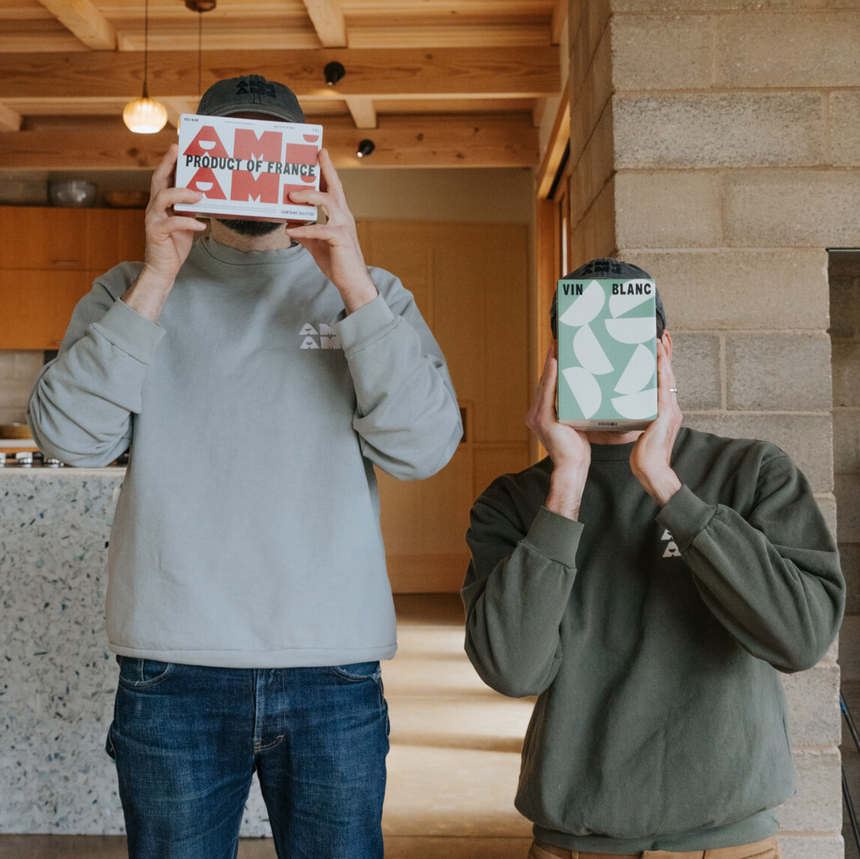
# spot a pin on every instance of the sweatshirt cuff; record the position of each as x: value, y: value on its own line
x: 555, y: 536
x: 365, y: 326
x: 129, y: 331
x: 685, y: 517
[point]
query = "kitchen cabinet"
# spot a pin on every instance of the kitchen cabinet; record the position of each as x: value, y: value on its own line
x: 42, y: 238
x: 37, y: 306
x: 49, y: 258
x: 114, y: 236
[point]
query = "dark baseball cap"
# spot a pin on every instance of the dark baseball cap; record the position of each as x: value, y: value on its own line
x: 606, y: 267
x: 251, y: 93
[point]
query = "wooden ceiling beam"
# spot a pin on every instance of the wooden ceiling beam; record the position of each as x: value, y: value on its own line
x: 176, y: 107
x: 444, y: 142
x: 10, y: 120
x: 82, y: 19
x: 410, y: 142
x: 451, y: 34
x: 362, y: 110
x: 559, y: 16
x: 407, y: 72
x: 327, y: 18
x: 559, y: 138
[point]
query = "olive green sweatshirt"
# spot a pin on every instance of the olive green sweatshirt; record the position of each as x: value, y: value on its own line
x: 654, y: 639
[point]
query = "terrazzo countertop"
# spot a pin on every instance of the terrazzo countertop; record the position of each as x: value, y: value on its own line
x: 57, y: 677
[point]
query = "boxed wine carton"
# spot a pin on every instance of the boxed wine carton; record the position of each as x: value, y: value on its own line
x: 248, y: 167
x: 607, y: 354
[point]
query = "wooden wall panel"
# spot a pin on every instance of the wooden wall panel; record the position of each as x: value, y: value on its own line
x: 460, y: 303
x: 489, y: 461
x: 401, y: 250
x: 427, y: 574
x: 504, y: 346
x: 429, y: 516
x: 471, y: 284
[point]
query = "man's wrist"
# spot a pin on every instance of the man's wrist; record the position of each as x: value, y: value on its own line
x: 565, y: 493
x: 148, y: 293
x: 664, y: 490
x: 355, y: 296
x: 151, y: 279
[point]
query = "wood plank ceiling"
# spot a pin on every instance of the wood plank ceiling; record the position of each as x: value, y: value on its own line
x: 432, y: 82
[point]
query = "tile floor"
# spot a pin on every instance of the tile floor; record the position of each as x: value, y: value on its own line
x: 453, y: 765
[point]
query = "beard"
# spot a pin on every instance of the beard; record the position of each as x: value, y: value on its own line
x: 250, y: 228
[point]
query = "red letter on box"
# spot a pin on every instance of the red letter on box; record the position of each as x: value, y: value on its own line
x: 207, y: 135
x: 300, y: 153
x: 263, y: 189
x: 205, y: 182
x: 266, y: 147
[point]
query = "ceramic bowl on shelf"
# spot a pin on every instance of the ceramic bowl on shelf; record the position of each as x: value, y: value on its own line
x: 75, y: 193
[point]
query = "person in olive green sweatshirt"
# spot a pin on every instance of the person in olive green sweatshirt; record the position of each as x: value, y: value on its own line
x: 649, y: 587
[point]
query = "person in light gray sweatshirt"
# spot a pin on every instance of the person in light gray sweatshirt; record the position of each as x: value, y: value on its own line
x: 649, y: 587
x: 260, y: 376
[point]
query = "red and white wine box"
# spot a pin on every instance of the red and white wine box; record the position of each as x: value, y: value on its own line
x: 248, y: 167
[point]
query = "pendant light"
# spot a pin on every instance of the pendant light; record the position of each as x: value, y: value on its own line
x: 145, y: 115
x: 200, y: 6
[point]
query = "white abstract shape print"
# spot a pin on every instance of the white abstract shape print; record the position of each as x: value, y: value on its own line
x: 638, y: 372
x: 585, y: 388
x: 590, y: 353
x: 586, y: 307
x: 636, y: 330
x: 637, y: 406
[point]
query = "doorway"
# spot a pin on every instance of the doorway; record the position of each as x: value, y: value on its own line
x: 844, y: 277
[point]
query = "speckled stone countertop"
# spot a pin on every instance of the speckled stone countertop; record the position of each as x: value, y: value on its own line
x: 57, y: 677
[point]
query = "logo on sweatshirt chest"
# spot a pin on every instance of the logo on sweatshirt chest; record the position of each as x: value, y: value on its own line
x: 321, y: 337
x: 671, y: 550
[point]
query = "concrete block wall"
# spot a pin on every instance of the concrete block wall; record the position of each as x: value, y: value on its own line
x: 735, y: 165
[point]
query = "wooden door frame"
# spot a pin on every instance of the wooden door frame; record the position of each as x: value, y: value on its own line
x: 546, y: 240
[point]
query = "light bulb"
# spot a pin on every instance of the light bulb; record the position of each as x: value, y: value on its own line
x: 145, y: 116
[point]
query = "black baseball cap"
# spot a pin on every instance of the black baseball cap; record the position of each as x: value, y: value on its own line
x: 606, y: 267
x: 252, y: 93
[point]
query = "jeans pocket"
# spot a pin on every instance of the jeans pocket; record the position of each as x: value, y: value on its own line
x: 109, y: 746
x: 356, y: 672
x: 137, y: 673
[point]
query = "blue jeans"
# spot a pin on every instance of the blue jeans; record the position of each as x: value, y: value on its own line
x: 186, y: 740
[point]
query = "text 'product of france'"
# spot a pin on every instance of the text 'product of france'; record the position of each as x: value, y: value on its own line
x: 248, y: 167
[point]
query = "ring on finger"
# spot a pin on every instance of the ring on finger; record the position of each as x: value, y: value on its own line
x: 673, y: 390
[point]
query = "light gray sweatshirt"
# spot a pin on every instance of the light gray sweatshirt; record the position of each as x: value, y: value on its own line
x: 247, y: 530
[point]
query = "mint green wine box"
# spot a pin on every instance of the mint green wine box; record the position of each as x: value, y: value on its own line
x: 607, y: 354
